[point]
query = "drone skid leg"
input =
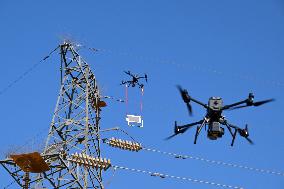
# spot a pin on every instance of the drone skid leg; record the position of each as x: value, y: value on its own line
x: 234, y: 137
x: 198, y: 129
x: 196, y: 134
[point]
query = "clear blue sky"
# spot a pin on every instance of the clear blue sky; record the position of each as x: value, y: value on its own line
x: 212, y: 48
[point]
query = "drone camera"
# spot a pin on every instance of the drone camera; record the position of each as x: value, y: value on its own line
x: 215, y: 131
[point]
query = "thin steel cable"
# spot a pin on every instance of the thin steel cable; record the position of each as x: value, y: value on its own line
x: 126, y: 99
x: 214, y: 162
x: 113, y: 98
x: 7, y: 186
x: 180, y: 156
x: 121, y: 130
x: 29, y: 70
x: 161, y: 175
x: 193, y: 67
x: 112, y: 177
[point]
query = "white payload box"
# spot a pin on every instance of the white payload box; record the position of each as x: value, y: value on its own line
x: 134, y: 120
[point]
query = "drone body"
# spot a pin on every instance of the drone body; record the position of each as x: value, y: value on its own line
x: 135, y: 80
x: 215, y: 113
x: 214, y: 118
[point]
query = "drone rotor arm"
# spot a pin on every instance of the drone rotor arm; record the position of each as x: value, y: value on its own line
x: 187, y: 126
x: 198, y: 102
x: 231, y: 106
x: 239, y: 130
x: 123, y: 82
x: 230, y: 130
x: 183, y: 128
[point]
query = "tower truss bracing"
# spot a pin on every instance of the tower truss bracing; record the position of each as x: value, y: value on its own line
x: 74, y: 129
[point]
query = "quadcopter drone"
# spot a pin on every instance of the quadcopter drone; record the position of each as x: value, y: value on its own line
x: 135, y: 80
x: 214, y: 118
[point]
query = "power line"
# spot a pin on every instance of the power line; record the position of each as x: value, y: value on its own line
x: 161, y: 175
x: 9, y: 185
x: 193, y: 67
x: 179, y: 156
x: 28, y: 71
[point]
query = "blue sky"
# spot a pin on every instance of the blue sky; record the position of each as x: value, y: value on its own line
x: 212, y: 48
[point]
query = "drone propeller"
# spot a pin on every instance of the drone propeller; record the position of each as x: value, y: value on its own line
x: 189, y: 108
x: 176, y: 132
x: 146, y: 78
x: 259, y: 103
x: 262, y: 102
x: 186, y: 98
x: 245, y: 133
x: 249, y: 140
x: 127, y: 72
x: 182, y: 129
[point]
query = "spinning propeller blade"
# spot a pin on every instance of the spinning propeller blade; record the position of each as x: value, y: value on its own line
x: 168, y: 138
x: 249, y: 140
x: 146, y: 78
x: 186, y: 98
x: 259, y: 103
x: 263, y: 102
x: 189, y: 109
x: 177, y: 131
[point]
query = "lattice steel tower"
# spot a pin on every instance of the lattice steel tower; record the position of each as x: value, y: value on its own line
x: 74, y: 130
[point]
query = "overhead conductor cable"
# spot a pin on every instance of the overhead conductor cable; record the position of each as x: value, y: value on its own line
x: 161, y: 175
x: 29, y: 70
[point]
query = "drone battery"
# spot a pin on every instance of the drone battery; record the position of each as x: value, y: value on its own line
x: 215, y: 103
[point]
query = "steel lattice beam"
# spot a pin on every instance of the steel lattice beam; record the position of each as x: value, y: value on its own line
x: 74, y: 128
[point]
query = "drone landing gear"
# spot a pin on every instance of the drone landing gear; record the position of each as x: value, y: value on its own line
x: 198, y: 129
x: 196, y: 134
x: 234, y: 137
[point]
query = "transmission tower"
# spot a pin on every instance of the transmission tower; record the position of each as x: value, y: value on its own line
x: 74, y: 130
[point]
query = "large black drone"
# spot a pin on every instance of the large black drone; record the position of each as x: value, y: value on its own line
x: 135, y: 80
x: 214, y: 118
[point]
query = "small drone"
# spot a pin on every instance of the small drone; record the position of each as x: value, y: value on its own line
x: 214, y: 118
x: 135, y: 80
